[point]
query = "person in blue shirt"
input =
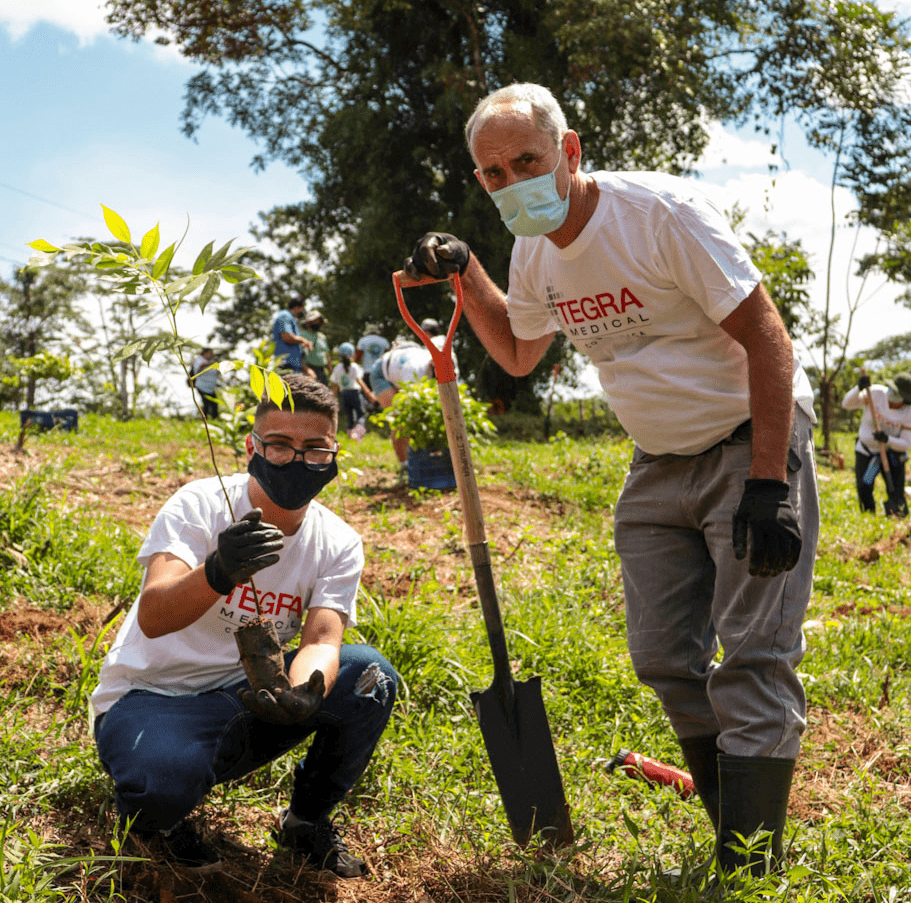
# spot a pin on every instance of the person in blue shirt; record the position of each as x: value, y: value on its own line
x: 287, y: 337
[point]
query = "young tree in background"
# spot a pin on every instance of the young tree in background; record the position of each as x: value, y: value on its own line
x: 40, y: 313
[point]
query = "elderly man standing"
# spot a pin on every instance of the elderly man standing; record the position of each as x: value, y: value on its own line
x: 718, y: 520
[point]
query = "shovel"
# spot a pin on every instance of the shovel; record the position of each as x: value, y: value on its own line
x: 510, y: 713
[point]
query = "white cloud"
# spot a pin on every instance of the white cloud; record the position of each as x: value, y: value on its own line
x: 84, y: 18
x: 728, y: 149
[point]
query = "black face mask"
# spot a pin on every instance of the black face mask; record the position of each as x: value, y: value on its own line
x: 290, y: 486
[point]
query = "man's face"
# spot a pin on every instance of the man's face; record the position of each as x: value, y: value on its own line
x: 300, y: 429
x: 507, y: 148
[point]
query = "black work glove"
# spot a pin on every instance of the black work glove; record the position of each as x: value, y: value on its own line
x: 287, y: 705
x: 863, y: 382
x: 881, y: 436
x: 437, y: 254
x: 244, y: 548
x: 767, y: 519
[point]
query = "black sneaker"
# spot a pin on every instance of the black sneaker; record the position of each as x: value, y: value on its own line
x: 321, y: 844
x: 183, y: 845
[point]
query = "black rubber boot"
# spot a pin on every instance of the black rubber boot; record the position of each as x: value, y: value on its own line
x: 701, y: 754
x: 752, y: 796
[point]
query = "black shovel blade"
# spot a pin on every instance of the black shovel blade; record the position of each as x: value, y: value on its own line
x: 521, y: 752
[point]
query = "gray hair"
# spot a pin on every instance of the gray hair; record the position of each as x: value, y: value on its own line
x: 545, y: 111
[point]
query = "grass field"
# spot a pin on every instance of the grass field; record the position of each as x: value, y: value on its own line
x: 427, y: 816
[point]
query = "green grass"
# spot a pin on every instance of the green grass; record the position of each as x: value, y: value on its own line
x: 428, y: 808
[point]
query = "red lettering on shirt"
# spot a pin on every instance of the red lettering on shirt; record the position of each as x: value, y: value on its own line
x: 292, y: 603
x: 246, y: 600
x: 627, y: 298
x: 603, y: 306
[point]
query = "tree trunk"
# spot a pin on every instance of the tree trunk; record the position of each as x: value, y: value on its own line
x: 825, y: 406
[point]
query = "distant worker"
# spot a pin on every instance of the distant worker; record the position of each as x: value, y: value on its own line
x: 885, y: 424
x: 370, y: 348
x: 204, y: 378
x: 287, y: 337
x: 405, y: 362
x: 347, y: 381
x: 317, y: 357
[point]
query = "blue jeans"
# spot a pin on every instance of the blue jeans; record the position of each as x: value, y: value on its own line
x: 350, y: 400
x: 165, y: 753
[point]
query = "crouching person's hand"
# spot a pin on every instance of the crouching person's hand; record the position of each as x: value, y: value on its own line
x: 287, y: 706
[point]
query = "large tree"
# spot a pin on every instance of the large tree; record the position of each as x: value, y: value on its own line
x: 39, y: 312
x: 368, y: 99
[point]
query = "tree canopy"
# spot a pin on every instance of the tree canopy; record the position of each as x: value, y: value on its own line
x: 368, y: 100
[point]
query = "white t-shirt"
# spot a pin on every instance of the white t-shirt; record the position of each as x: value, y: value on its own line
x: 320, y: 567
x: 373, y: 347
x: 409, y: 362
x: 346, y: 379
x: 894, y: 422
x: 641, y: 292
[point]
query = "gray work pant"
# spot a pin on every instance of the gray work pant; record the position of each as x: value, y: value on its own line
x: 685, y: 593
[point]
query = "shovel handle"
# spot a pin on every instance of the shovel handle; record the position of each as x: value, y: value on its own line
x: 466, y: 481
x: 442, y: 357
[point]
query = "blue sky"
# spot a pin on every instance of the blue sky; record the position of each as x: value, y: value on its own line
x: 93, y: 120
x: 90, y: 119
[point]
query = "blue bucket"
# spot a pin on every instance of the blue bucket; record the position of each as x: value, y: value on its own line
x: 430, y: 469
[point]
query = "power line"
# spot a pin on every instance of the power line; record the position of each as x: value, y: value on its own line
x: 36, y: 197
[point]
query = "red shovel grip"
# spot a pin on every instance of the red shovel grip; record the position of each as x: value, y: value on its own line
x: 652, y: 771
x: 442, y: 357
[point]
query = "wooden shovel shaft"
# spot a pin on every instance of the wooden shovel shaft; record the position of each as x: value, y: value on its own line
x: 470, y: 497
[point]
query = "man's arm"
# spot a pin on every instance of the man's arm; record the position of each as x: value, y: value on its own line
x: 174, y: 595
x: 485, y: 309
x: 321, y: 640
x: 757, y: 326
x: 290, y: 338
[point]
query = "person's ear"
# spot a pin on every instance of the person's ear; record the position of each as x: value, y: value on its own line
x: 573, y: 149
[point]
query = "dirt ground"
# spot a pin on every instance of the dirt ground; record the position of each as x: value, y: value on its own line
x: 421, y: 532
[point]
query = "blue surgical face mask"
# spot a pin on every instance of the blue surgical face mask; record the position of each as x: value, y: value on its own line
x: 533, y: 207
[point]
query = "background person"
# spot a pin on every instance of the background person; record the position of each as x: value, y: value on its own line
x: 645, y: 277
x: 204, y: 373
x: 887, y: 422
x: 370, y: 348
x: 173, y: 715
x: 287, y: 336
x: 317, y: 356
x: 404, y: 362
x: 347, y: 381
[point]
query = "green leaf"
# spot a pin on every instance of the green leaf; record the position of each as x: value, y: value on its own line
x: 150, y: 243
x: 40, y: 259
x: 212, y: 282
x: 257, y: 381
x: 219, y: 258
x: 116, y: 224
x: 42, y: 245
x: 238, y: 273
x: 160, y: 267
x: 199, y: 265
x: 631, y: 826
x: 277, y: 388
